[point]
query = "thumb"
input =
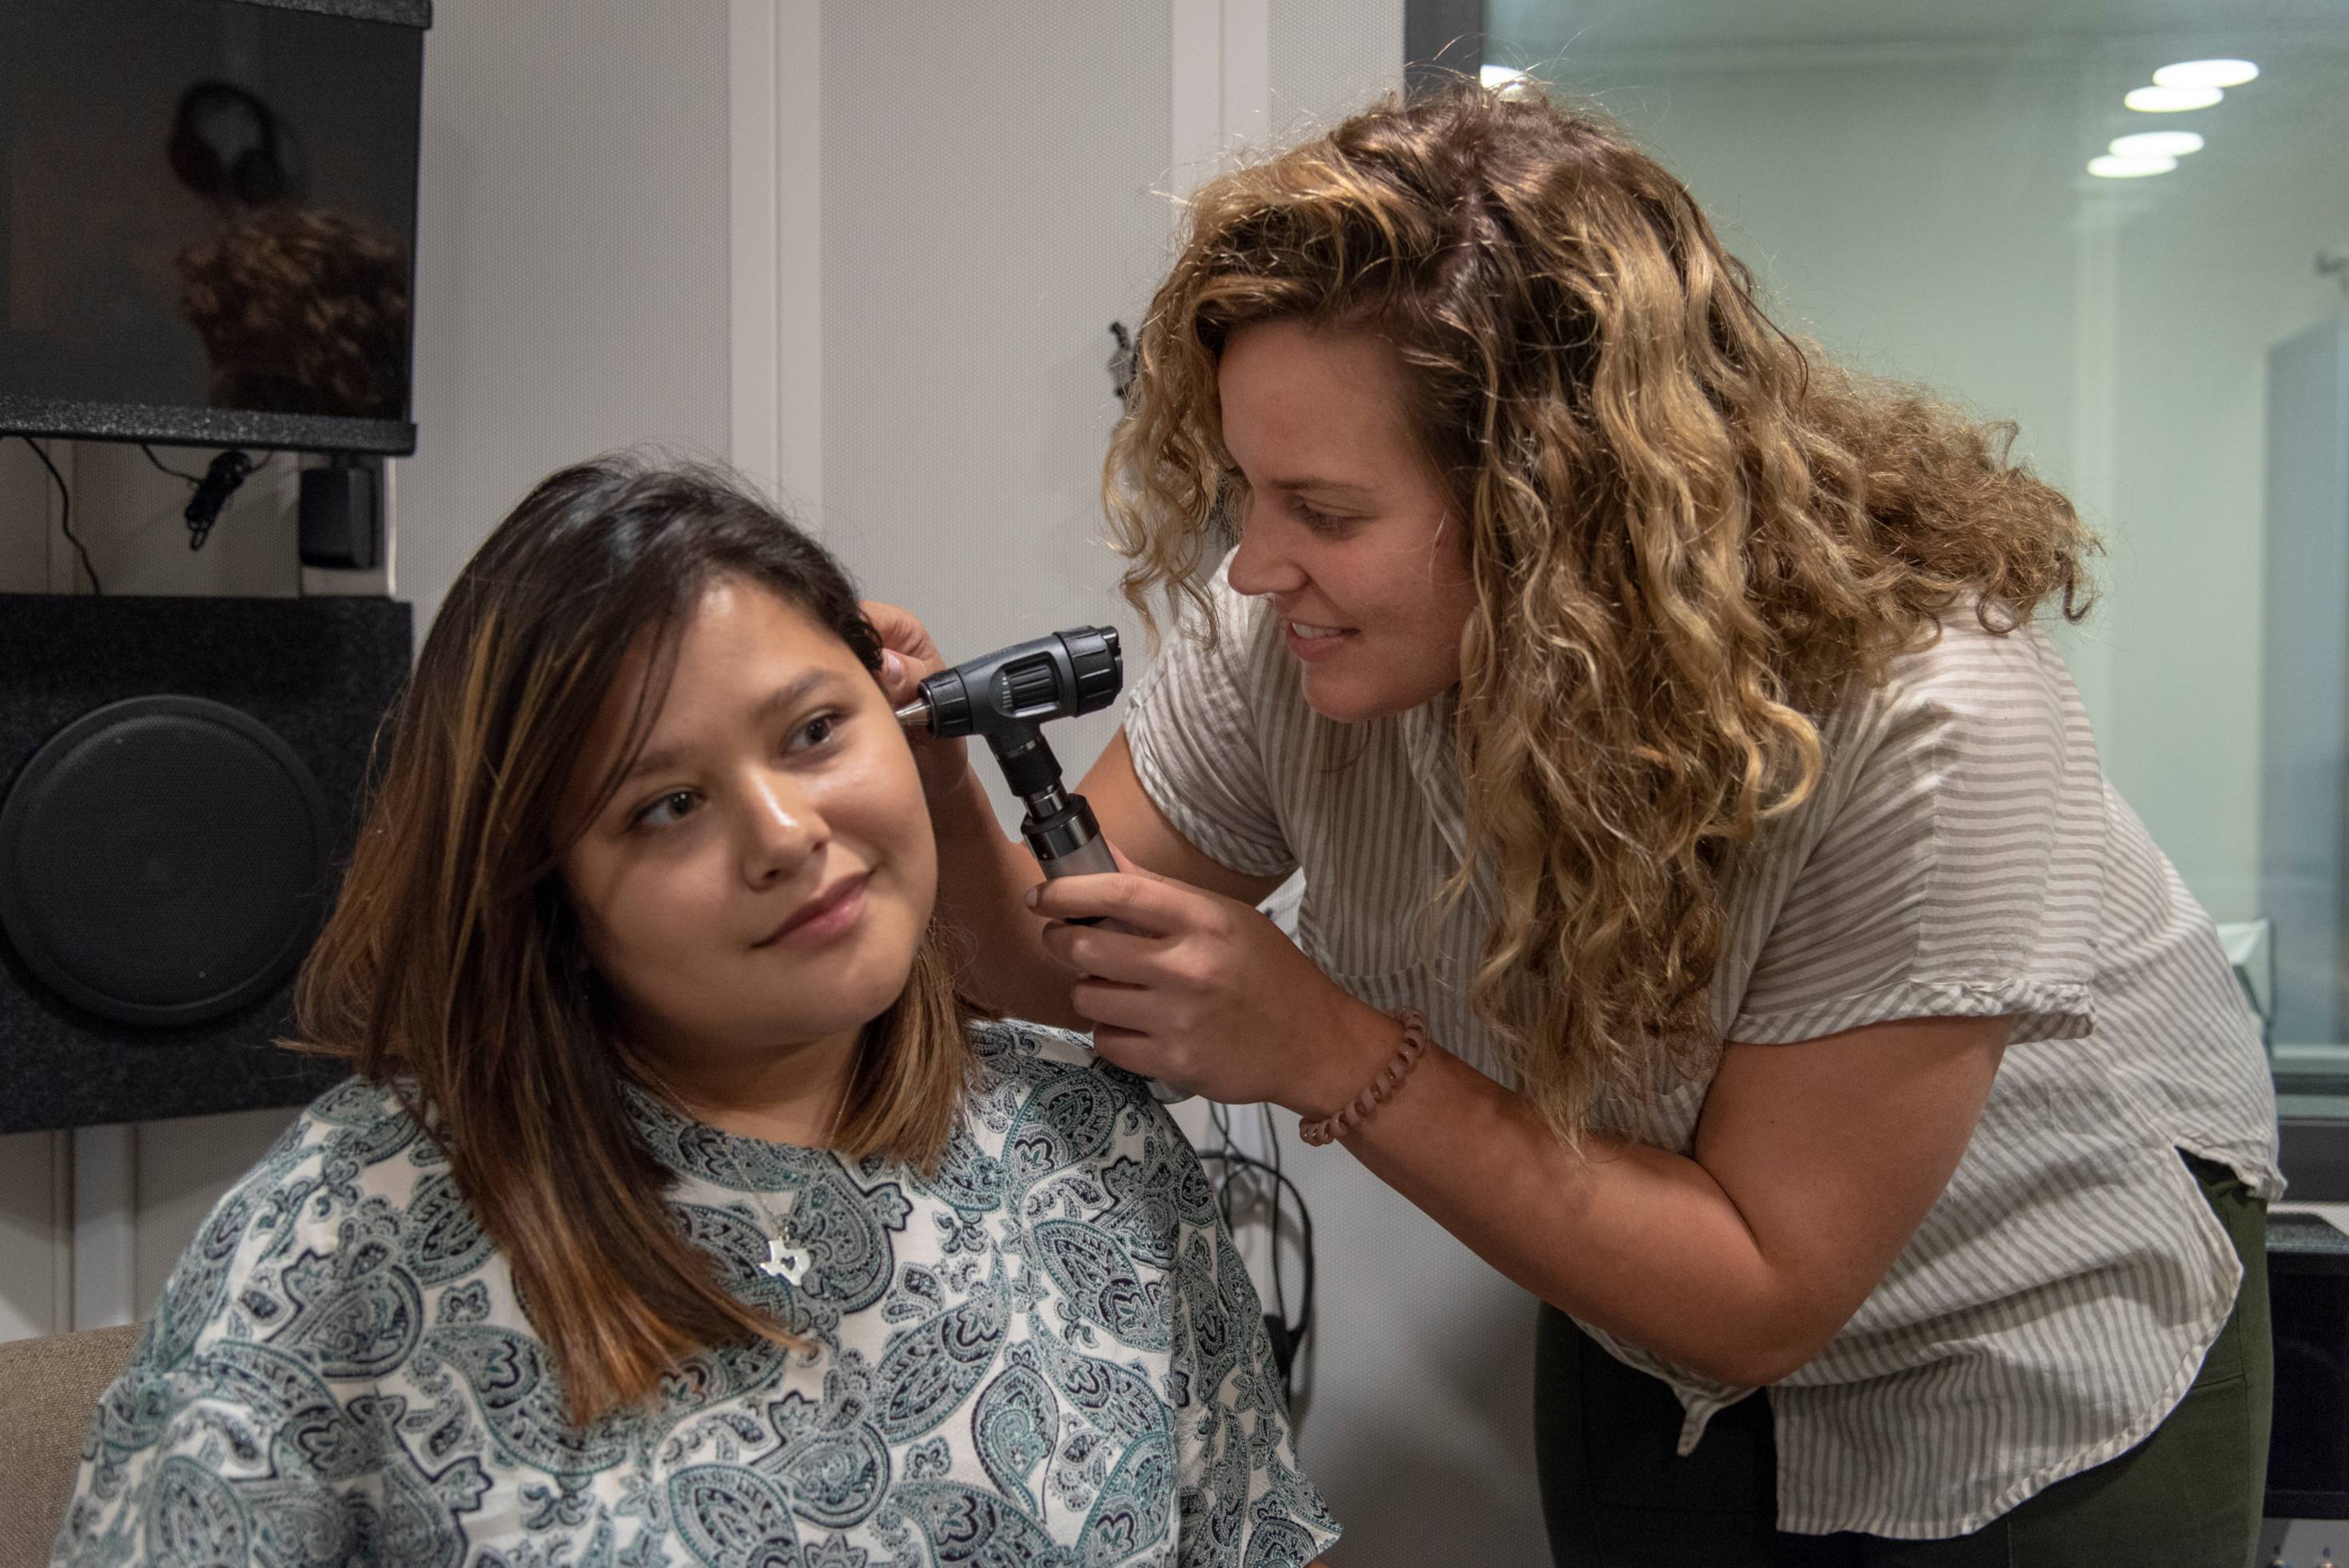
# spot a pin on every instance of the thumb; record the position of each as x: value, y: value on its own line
x: 900, y: 676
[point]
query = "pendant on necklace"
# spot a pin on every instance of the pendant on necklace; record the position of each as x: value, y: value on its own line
x: 785, y: 1263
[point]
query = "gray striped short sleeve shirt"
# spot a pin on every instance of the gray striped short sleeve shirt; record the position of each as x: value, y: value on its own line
x: 1963, y: 856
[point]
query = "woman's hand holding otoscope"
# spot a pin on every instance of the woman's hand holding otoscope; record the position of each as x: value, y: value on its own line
x: 1005, y: 697
x: 1197, y: 989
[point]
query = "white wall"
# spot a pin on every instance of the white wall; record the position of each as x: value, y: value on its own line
x: 572, y: 284
x: 572, y: 256
x: 989, y: 178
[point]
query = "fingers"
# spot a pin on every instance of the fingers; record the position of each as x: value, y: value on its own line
x: 899, y: 678
x: 1128, y: 1049
x: 1112, y: 1007
x: 1150, y: 902
x: 1098, y: 951
x: 903, y: 635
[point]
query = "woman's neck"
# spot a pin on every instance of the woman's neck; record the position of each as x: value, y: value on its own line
x: 788, y: 1094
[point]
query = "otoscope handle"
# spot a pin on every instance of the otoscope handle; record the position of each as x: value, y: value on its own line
x: 1068, y: 843
x: 1086, y: 860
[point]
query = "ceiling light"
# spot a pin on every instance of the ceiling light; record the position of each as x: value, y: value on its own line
x: 2205, y: 74
x: 2113, y: 167
x: 2170, y: 100
x: 1498, y: 77
x: 2156, y: 144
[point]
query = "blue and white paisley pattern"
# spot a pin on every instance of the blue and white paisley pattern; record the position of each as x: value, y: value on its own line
x: 1017, y: 1427
x: 1045, y: 1356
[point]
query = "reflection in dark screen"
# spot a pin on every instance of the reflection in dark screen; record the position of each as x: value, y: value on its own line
x: 207, y: 203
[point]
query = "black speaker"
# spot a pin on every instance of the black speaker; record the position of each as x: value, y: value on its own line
x: 179, y: 782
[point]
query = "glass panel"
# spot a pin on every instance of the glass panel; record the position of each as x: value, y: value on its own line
x: 206, y: 205
x: 1921, y: 187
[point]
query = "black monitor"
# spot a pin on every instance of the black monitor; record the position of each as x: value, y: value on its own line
x: 208, y: 221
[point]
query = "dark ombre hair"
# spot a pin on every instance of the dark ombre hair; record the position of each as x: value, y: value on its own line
x: 454, y: 970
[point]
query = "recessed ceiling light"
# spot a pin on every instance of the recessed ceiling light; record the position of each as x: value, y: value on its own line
x: 2205, y: 74
x: 2170, y: 100
x: 2113, y: 167
x: 2156, y: 144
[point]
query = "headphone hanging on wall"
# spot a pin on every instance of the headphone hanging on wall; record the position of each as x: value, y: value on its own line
x: 229, y: 148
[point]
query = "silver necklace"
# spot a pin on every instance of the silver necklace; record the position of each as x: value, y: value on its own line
x: 787, y: 1258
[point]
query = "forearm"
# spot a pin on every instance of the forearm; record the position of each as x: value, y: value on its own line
x: 1639, y: 1243
x: 982, y: 878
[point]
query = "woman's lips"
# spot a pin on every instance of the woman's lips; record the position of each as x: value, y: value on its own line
x: 1309, y: 648
x: 824, y: 918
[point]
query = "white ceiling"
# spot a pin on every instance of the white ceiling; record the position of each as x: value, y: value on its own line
x: 1520, y: 31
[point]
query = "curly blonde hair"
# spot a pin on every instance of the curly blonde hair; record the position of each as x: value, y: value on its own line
x: 1689, y: 536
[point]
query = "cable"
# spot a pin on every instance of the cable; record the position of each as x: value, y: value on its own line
x: 1287, y: 1337
x: 228, y: 471
x: 65, y: 514
x: 1272, y: 1143
x: 166, y: 468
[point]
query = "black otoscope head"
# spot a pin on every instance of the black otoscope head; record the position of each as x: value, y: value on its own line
x: 1058, y: 676
x: 1004, y: 696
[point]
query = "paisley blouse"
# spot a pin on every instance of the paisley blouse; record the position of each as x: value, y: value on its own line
x: 1049, y: 1353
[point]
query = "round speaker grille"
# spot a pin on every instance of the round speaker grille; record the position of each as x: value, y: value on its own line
x: 163, y: 861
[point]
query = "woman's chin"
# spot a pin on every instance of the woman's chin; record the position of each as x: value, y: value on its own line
x: 868, y: 995
x: 1345, y: 702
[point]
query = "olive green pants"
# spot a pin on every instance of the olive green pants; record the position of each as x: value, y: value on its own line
x: 1614, y: 1495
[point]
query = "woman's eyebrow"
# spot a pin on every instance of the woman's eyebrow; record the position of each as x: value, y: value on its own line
x: 793, y: 692
x: 1314, y: 482
x: 783, y: 698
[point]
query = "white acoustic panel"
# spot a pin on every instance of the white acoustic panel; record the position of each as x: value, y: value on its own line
x: 573, y: 280
x: 992, y: 197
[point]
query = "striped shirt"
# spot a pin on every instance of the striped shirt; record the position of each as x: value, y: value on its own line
x: 1963, y: 856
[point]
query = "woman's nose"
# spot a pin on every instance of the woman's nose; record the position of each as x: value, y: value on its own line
x: 1262, y: 563
x: 784, y: 828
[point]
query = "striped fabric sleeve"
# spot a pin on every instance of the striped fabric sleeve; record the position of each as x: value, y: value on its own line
x: 1960, y: 871
x: 1198, y: 748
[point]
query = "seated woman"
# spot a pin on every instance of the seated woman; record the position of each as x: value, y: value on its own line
x: 679, y: 1212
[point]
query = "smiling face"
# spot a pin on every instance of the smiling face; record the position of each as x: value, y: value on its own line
x: 1348, y: 531
x: 764, y: 873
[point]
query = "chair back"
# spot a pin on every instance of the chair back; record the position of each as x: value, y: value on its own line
x: 49, y: 1389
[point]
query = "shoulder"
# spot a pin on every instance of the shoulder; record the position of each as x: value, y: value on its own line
x: 332, y: 1193
x: 1048, y: 1105
x: 1021, y: 1060
x: 1978, y: 683
x: 1973, y: 709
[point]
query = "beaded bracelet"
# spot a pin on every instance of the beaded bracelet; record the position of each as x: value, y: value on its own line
x: 1329, y: 1129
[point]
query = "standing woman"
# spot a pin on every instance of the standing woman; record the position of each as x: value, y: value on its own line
x: 1714, y: 913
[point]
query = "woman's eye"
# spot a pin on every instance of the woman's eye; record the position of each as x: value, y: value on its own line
x: 1319, y: 521
x: 817, y: 732
x: 666, y: 811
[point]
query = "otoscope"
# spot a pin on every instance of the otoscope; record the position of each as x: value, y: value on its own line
x: 1005, y: 696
